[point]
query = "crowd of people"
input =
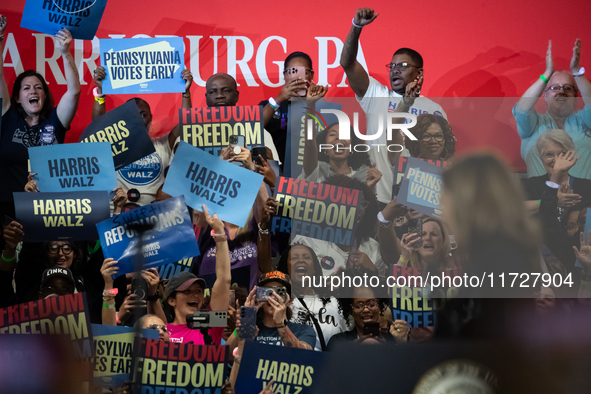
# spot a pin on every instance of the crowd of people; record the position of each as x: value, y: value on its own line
x: 490, y: 223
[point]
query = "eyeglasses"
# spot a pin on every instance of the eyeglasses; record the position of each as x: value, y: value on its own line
x: 547, y: 156
x: 66, y: 249
x: 360, y: 305
x: 572, y: 226
x: 294, y: 70
x: 157, y: 327
x: 566, y: 88
x: 426, y: 137
x: 402, y: 66
x: 582, y: 221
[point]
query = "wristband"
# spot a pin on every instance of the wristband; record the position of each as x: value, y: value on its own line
x: 100, y: 100
x: 236, y: 335
x: 543, y: 78
x: 580, y: 72
x: 8, y: 260
x: 382, y: 219
x: 108, y: 306
x: 353, y: 22
x: 405, y: 261
x: 273, y: 104
x: 110, y: 293
x: 95, y: 92
x: 187, y: 95
x: 553, y: 185
x: 539, y: 202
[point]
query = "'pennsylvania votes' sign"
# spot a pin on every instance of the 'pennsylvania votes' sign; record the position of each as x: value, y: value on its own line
x: 209, y: 128
x: 143, y: 65
x: 73, y: 167
x: 223, y: 187
x: 61, y: 216
x: 421, y: 187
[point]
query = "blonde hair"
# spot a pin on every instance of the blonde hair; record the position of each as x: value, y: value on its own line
x: 556, y: 136
x: 416, y: 261
x: 487, y: 202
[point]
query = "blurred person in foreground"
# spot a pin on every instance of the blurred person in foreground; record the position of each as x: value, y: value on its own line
x: 483, y: 205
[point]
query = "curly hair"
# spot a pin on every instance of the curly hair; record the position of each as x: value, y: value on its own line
x: 346, y: 295
x: 366, y: 228
x: 423, y: 123
x: 355, y: 159
x: 16, y: 90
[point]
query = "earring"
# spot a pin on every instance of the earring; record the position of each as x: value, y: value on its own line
x: 443, y: 157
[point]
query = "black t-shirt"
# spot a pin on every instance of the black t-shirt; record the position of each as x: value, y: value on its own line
x: 16, y: 137
x: 535, y: 186
x: 277, y: 127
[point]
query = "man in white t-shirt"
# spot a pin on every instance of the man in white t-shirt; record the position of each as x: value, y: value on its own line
x: 406, y: 78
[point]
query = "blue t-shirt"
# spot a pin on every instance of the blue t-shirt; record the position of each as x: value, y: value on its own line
x: 531, y: 124
x: 270, y: 336
x: 16, y: 137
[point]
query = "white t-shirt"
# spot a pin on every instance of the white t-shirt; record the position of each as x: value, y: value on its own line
x: 330, y: 320
x: 332, y: 257
x: 147, y: 174
x: 379, y: 99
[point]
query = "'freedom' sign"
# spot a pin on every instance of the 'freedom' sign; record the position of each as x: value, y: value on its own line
x: 224, y: 188
x: 210, y: 128
x: 143, y: 65
x: 61, y: 216
x: 316, y: 210
x: 80, y: 17
x: 421, y: 187
x: 169, y: 367
x: 168, y: 238
x: 124, y: 128
x: 73, y: 167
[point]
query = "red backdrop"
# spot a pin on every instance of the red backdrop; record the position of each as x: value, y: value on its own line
x: 470, y: 48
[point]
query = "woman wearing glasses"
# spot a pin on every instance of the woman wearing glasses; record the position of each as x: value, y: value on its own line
x: 362, y: 304
x: 435, y: 139
x: 557, y: 151
x: 560, y: 90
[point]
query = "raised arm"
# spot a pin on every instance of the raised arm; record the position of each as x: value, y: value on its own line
x: 109, y: 314
x: 288, y: 91
x: 287, y: 337
x: 98, y: 106
x: 68, y: 105
x: 356, y: 74
x: 264, y: 237
x: 389, y: 242
x: 4, y: 94
x: 315, y: 93
x: 532, y: 94
x: 220, y: 292
x: 176, y: 131
x: 582, y: 82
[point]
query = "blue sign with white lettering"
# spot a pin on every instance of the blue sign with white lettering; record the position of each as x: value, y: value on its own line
x: 162, y: 232
x: 292, y: 370
x: 143, y: 65
x: 80, y: 17
x: 73, y: 167
x: 421, y: 187
x: 223, y: 187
